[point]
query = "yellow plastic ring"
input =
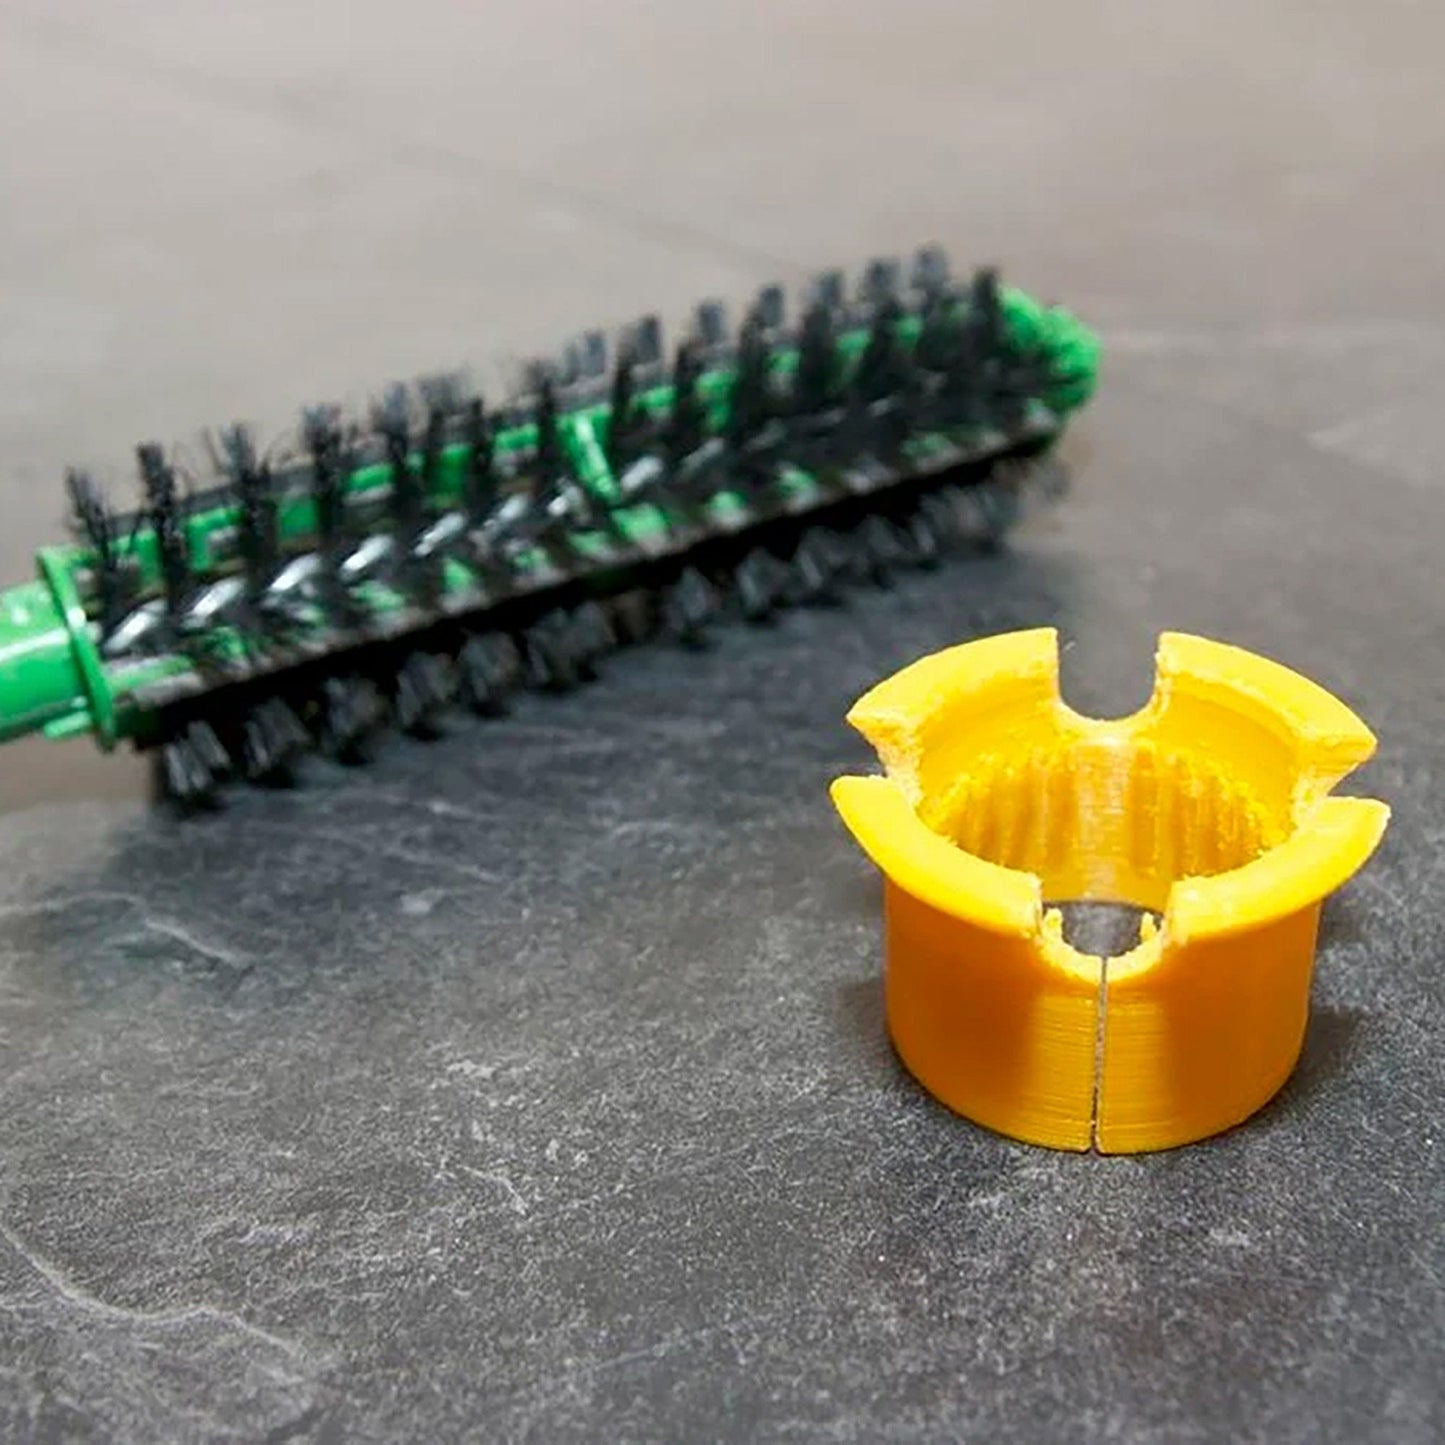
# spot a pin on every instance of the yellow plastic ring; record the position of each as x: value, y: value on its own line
x: 1209, y: 807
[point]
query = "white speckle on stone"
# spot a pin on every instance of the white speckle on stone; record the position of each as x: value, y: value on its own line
x: 470, y: 1069
x: 1230, y: 1238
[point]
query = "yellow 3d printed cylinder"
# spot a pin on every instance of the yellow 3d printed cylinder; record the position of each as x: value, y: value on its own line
x: 1209, y: 807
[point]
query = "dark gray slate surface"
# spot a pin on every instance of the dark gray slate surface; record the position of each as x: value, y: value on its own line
x: 533, y: 1085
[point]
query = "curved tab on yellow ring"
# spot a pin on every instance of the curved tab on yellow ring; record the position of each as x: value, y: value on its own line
x: 923, y: 720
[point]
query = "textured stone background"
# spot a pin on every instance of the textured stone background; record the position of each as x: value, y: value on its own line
x: 533, y: 1085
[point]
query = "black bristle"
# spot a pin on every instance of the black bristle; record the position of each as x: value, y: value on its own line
x: 645, y: 341
x: 97, y: 525
x: 827, y: 289
x: 686, y: 427
x: 392, y: 420
x: 882, y: 368
x: 752, y: 401
x: 943, y: 516
x: 272, y: 740
x: 593, y: 636
x: 623, y: 419
x: 547, y: 463
x: 191, y: 765
x: 322, y: 430
x: 882, y: 390
x: 427, y: 564
x: 1014, y: 382
x: 479, y: 484
x: 974, y: 358
x: 551, y: 653
x: 940, y: 340
x: 883, y: 547
x: 352, y: 713
x: 433, y: 448
x: 489, y: 668
x: 593, y: 354
x: 880, y: 282
x: 815, y: 574
x: 815, y: 382
x: 689, y: 606
x: 257, y: 518
x: 426, y: 683
x: 758, y: 584
x: 925, y: 545
x: 441, y: 393
x: 164, y: 508
x: 711, y: 325
x: 931, y: 272
x: 985, y: 311
x: 771, y: 307
x: 568, y: 369
x: 969, y: 390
